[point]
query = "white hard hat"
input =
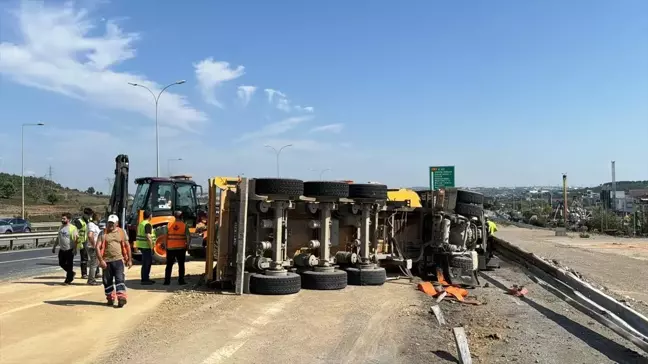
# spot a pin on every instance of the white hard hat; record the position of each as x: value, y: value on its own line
x: 113, y: 218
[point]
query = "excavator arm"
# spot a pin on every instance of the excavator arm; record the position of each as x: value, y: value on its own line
x: 119, y: 195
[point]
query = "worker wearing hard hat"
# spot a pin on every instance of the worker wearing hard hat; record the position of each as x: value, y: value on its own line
x: 114, y: 254
x: 176, y: 247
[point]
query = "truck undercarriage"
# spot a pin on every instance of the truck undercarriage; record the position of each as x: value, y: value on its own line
x: 280, y: 235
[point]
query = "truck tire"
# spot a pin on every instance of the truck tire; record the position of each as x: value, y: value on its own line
x: 336, y: 279
x: 465, y: 196
x: 366, y: 277
x: 275, y: 285
x: 462, y: 262
x: 466, y: 209
x: 326, y: 189
x: 159, y: 253
x: 279, y: 186
x: 368, y: 191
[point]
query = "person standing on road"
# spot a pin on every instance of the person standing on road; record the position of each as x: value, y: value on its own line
x: 114, y: 254
x: 82, y: 225
x: 93, y: 262
x: 145, y: 242
x: 67, y: 242
x: 176, y: 248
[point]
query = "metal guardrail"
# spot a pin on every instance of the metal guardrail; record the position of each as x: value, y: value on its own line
x: 623, y: 320
x: 45, y: 226
x: 10, y: 240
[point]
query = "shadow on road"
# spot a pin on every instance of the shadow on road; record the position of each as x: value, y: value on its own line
x: 614, y: 351
x: 442, y: 354
x: 75, y: 283
x: 51, y: 264
x: 75, y: 303
x: 192, y: 284
x: 50, y: 277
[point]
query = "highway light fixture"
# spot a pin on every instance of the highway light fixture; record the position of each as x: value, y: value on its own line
x: 277, y: 152
x: 22, y: 163
x: 157, y: 135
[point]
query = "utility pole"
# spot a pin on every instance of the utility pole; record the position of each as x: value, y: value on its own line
x: 565, y: 198
x: 49, y: 173
x: 613, y: 187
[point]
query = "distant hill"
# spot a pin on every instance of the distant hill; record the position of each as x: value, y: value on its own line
x: 45, y: 200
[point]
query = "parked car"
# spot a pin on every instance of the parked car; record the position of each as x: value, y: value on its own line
x: 5, y: 227
x: 19, y: 225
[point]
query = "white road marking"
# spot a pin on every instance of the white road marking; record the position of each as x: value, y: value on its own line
x: 23, y: 250
x: 22, y: 260
x: 225, y: 352
x: 41, y: 303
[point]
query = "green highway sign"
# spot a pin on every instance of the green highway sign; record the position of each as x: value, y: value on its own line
x: 442, y: 177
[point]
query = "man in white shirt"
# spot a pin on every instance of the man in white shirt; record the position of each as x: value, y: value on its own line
x: 93, y: 235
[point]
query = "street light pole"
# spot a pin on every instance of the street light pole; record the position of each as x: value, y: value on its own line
x: 22, y: 162
x: 277, y: 152
x: 157, y: 137
x: 321, y: 172
x: 169, y: 164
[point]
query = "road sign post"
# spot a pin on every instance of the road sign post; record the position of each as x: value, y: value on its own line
x: 442, y: 177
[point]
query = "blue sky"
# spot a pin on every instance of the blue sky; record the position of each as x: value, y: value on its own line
x: 511, y: 92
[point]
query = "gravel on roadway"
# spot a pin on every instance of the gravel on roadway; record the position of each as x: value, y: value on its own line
x: 388, y: 324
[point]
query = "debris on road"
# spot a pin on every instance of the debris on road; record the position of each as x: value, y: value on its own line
x: 518, y: 291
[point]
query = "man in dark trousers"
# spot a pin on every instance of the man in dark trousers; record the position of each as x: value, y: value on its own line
x: 176, y: 247
x: 114, y: 255
x: 67, y: 238
x: 145, y: 242
x: 82, y: 225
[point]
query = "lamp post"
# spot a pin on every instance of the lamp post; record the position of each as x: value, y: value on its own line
x: 157, y: 138
x: 22, y: 162
x: 169, y: 164
x: 321, y: 172
x: 277, y: 152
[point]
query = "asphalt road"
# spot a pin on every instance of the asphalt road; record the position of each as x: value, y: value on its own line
x: 28, y: 263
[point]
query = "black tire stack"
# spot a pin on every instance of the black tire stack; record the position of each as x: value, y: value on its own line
x: 368, y: 191
x: 469, y: 203
x: 292, y: 188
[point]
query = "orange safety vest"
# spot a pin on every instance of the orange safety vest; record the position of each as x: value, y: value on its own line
x: 177, y: 237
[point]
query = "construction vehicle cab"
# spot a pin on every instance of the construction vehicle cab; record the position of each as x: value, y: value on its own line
x: 162, y: 196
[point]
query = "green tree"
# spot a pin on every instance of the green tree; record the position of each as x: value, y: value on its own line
x: 90, y: 190
x: 52, y: 198
x: 7, y: 190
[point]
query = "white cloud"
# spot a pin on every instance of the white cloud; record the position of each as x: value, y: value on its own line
x: 283, y: 103
x: 245, y: 93
x: 271, y: 93
x: 275, y: 129
x: 60, y: 50
x: 305, y: 109
x: 332, y: 128
x: 210, y: 74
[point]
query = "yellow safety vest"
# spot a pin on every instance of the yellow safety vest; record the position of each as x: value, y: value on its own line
x: 83, y: 232
x: 492, y: 228
x: 141, y: 242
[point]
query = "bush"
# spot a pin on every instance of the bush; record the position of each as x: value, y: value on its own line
x: 7, y: 190
x: 52, y: 198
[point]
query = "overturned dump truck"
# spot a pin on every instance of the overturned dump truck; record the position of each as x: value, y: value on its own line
x: 278, y: 236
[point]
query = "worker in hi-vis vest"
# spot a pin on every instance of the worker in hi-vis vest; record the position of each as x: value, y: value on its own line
x: 82, y: 225
x: 145, y: 243
x: 176, y: 247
